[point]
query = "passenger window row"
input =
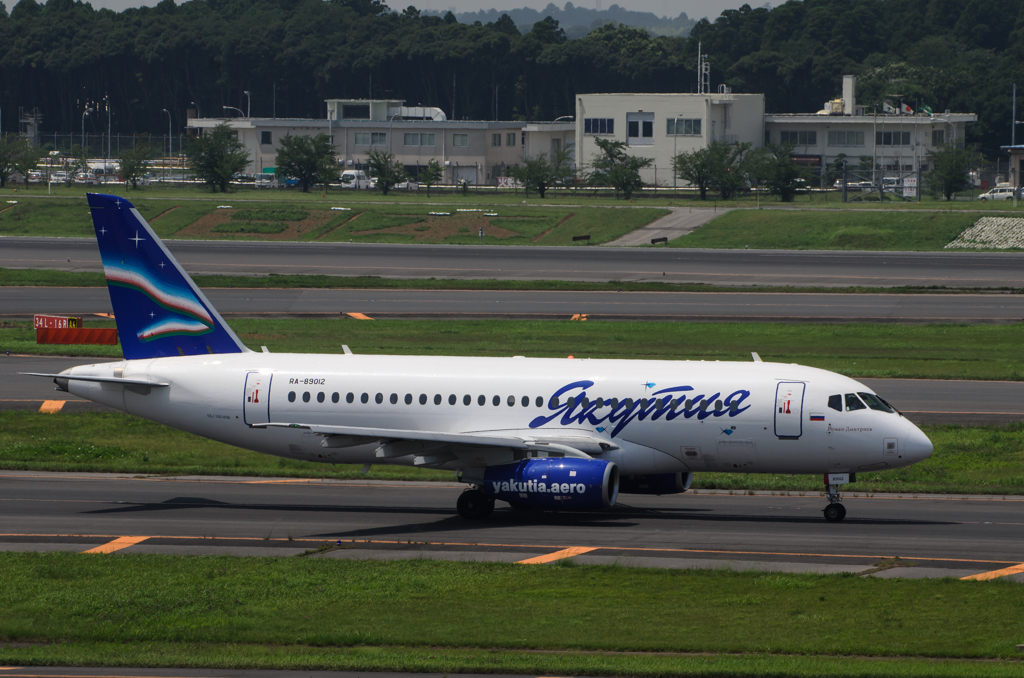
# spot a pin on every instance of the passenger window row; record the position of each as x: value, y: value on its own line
x: 853, y: 402
x: 496, y: 401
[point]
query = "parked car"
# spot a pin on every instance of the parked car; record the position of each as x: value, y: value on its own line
x: 58, y: 177
x: 265, y: 181
x: 35, y: 177
x: 998, y: 193
x: 87, y: 178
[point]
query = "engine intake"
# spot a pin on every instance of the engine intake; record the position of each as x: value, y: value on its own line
x: 567, y: 483
x: 656, y: 483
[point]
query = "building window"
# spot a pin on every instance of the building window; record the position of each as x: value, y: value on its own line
x: 599, y: 125
x: 411, y: 139
x: 845, y: 138
x: 556, y: 146
x: 460, y: 140
x: 266, y: 138
x: 938, y: 137
x: 427, y: 139
x: 892, y: 138
x: 683, y: 126
x: 640, y: 128
x: 362, y: 138
x: 496, y: 139
x: 799, y: 138
x: 378, y: 138
x: 767, y: 137
x: 510, y: 139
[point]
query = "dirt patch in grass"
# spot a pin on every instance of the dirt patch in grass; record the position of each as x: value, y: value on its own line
x: 166, y: 211
x: 436, y: 228
x: 214, y: 225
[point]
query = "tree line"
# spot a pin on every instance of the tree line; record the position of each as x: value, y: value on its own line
x: 63, y: 56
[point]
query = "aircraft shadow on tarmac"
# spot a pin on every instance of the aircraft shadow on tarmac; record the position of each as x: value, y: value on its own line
x: 621, y: 516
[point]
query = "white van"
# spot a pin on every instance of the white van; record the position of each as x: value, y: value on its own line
x: 998, y: 193
x: 356, y: 179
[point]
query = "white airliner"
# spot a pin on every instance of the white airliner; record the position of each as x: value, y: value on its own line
x: 533, y: 432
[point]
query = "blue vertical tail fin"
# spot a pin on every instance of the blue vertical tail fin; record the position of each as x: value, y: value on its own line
x: 158, y: 309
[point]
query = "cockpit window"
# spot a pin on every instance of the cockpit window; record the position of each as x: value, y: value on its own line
x: 853, y: 403
x: 875, y: 403
x: 836, y: 402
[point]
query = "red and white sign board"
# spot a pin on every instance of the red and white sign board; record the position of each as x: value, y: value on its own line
x: 910, y: 187
x: 56, y: 322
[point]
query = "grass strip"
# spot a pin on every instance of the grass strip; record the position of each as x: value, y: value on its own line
x: 320, y: 602
x: 455, y: 661
x: 846, y: 230
x: 966, y: 460
x: 11, y: 277
x: 853, y: 349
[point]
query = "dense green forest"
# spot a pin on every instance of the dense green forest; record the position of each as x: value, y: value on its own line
x: 59, y: 56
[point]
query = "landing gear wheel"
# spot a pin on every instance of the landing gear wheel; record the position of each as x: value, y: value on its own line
x: 474, y: 505
x: 835, y: 513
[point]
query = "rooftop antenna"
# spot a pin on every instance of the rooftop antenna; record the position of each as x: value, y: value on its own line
x: 703, y: 71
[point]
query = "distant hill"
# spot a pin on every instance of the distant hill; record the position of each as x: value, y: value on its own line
x: 578, y: 21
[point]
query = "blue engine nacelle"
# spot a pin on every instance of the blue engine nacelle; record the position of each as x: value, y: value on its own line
x: 562, y: 483
x: 656, y: 483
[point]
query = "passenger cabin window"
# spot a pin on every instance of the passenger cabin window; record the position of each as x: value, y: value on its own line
x: 875, y: 403
x: 853, y: 403
x: 836, y: 402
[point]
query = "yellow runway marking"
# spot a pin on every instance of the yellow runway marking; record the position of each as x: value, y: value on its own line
x: 51, y: 406
x: 558, y: 555
x: 116, y: 545
x: 533, y: 546
x: 359, y: 316
x: 995, y: 574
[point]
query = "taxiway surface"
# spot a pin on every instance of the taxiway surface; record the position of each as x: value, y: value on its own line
x: 934, y: 536
x: 581, y: 263
x: 22, y: 302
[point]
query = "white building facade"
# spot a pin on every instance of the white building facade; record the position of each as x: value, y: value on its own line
x: 478, y: 152
x: 661, y: 126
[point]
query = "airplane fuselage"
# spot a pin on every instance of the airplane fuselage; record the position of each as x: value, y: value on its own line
x: 656, y: 416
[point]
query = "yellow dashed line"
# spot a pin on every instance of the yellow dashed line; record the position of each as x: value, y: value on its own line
x: 558, y: 555
x: 359, y: 316
x: 995, y: 574
x: 51, y: 406
x: 116, y: 545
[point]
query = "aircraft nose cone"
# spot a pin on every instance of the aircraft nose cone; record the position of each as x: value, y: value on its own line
x: 919, y: 447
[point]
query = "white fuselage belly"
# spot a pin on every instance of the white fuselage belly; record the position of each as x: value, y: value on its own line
x: 207, y: 393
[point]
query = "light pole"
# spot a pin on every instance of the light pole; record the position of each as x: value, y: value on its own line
x: 248, y: 104
x: 86, y: 112
x: 170, y: 144
x: 391, y: 125
x: 106, y: 100
x: 232, y: 108
x: 196, y: 106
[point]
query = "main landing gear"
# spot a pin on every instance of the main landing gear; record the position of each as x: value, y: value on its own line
x: 474, y: 505
x: 835, y: 511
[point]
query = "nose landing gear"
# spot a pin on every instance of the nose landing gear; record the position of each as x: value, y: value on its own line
x: 835, y: 511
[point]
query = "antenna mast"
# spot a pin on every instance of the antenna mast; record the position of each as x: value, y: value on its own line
x: 703, y: 71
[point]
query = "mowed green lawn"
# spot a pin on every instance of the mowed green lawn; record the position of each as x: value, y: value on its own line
x: 972, y: 460
x: 458, y: 222
x: 830, y: 230
x: 483, y: 617
x: 855, y: 349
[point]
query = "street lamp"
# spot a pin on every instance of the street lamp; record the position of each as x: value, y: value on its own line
x: 106, y: 100
x: 248, y: 105
x: 196, y: 106
x: 232, y: 108
x: 170, y: 146
x: 86, y: 112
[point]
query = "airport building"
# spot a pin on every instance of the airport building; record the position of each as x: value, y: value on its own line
x: 478, y: 152
x: 656, y: 126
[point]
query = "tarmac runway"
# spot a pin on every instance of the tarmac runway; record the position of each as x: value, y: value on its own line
x: 22, y: 302
x: 923, y: 401
x: 580, y: 263
x: 934, y: 536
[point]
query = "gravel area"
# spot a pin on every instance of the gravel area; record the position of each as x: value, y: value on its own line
x: 1001, y: 233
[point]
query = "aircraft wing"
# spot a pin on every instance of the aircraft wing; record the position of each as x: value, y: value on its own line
x: 433, y: 448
